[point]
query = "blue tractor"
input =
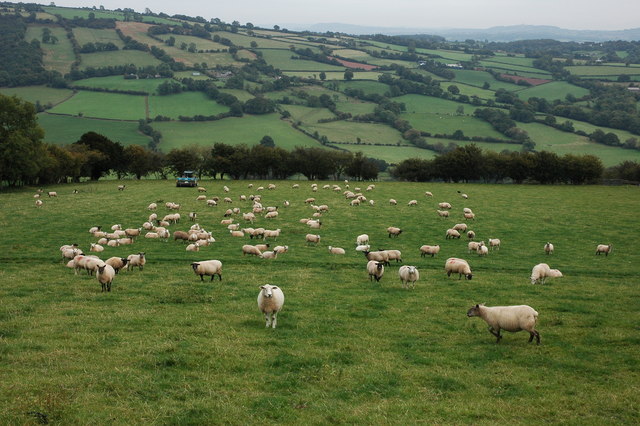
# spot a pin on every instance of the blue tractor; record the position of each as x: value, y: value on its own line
x: 188, y: 178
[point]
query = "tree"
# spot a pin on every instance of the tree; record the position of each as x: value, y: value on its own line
x: 181, y: 159
x: 453, y: 89
x: 267, y: 141
x: 348, y: 75
x: 112, y: 158
x: 21, y: 148
x: 138, y: 160
x: 323, y: 76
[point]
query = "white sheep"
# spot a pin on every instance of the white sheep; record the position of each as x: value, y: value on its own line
x: 392, y: 202
x: 250, y: 250
x: 362, y: 239
x: 482, y: 250
x: 508, y: 318
x: 604, y: 248
x: 428, y: 194
x: 375, y: 270
x: 96, y: 248
x: 378, y: 256
x: 432, y: 250
x: 153, y: 235
x: 269, y: 254
x: 470, y: 216
x: 412, y: 203
x: 212, y: 203
x: 52, y: 194
x: 454, y: 265
x: 394, y: 255
x: 408, y: 275
x: 392, y: 230
x: 542, y: 271
x: 121, y: 187
x: 336, y: 250
x: 313, y: 239
x: 471, y: 235
x: 460, y: 227
x: 152, y: 206
x: 271, y: 215
x: 548, y: 248
x: 281, y: 249
x: 473, y: 246
x: 39, y: 203
x: 443, y: 213
x: 444, y: 205
x: 208, y: 267
x: 270, y: 302
x: 116, y: 263
x: 193, y: 247
x: 363, y: 247
x: 138, y: 260
x: 236, y: 233
x: 105, y: 275
x: 180, y: 235
x: 452, y: 233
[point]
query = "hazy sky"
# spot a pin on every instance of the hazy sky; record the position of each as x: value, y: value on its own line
x: 571, y: 14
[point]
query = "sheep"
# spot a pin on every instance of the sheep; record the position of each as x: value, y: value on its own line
x: 314, y: 224
x: 233, y: 226
x: 281, y: 249
x: 393, y: 202
x: 444, y: 205
x: 79, y: 262
x: 466, y: 210
x: 465, y: 196
x: 257, y: 233
x: 362, y: 239
x: 236, y: 233
x: 363, y: 247
x: 152, y: 235
x: 202, y: 189
x: 269, y: 233
x: 473, y: 246
x: 460, y: 266
x: 443, y: 213
x: 394, y: 255
x: 271, y: 215
x: 471, y: 235
x: 355, y: 202
x: 36, y: 195
x: 70, y: 253
x: 494, y: 243
x: 432, y: 250
x: 392, y: 230
x: 103, y: 241
x: 482, y: 250
x: 286, y: 203
x: 226, y: 221
x: 452, y: 233
x: 39, y: 203
x: 152, y: 206
x: 313, y: 239
x: 604, y: 248
x: 542, y: 271
x: 225, y: 188
x: 375, y: 270
x: 262, y: 247
x: 96, y: 248
x: 180, y: 235
x: 378, y: 256
x: 295, y: 186
x: 270, y: 302
x: 193, y: 247
x: 250, y: 250
x: 408, y: 275
x: 148, y: 226
x: 52, y: 194
x: 271, y: 186
x: 105, y: 274
x: 508, y: 318
x: 208, y: 267
x: 94, y: 229
x: 548, y: 248
x: 460, y: 227
x: 269, y: 254
x: 249, y: 217
x: 69, y: 247
x: 193, y: 216
x: 117, y: 263
x: 99, y: 234
x: 336, y: 250
x: 138, y: 260
x: 123, y: 241
x: 412, y: 203
x: 212, y: 203
x: 132, y: 232
x: 164, y: 234
x: 92, y: 263
x: 470, y: 216
x: 310, y: 200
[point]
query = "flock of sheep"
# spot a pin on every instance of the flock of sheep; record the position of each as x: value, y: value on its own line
x: 270, y: 297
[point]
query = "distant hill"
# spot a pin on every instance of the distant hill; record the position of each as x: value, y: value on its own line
x: 503, y: 33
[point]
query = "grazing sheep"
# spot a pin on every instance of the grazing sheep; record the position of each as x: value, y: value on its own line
x: 508, y: 318
x: 452, y: 233
x: 428, y: 194
x: 117, y: 263
x: 465, y: 196
x: 443, y: 213
x: 116, y: 227
x: 286, y: 203
x: 378, y: 256
x: 393, y: 202
x: 460, y: 266
x: 363, y: 247
x: 94, y: 229
x: 460, y: 227
x: 362, y: 239
x: 91, y: 264
x: 313, y: 239
x: 604, y: 248
x: 269, y: 254
x: 52, y: 194
x: 152, y: 206
x: 466, y: 210
x: 394, y: 255
x: 96, y: 248
x: 121, y: 187
x: 138, y: 260
x: 314, y: 224
x: 281, y: 249
x: 408, y: 275
x: 208, y: 267
x: 233, y: 226
x: 250, y: 250
x: 310, y: 200
x: 270, y: 233
x: 193, y: 216
x: 336, y: 250
x: 412, y: 203
x: 193, y: 247
x: 473, y: 246
x: 36, y: 195
x: 355, y: 202
x: 444, y: 205
x: 468, y: 216
x: 70, y: 253
x: 202, y: 189
x: 392, y: 230
x: 152, y: 235
x: 39, y: 203
x: 249, y: 217
x: 548, y: 248
x: 180, y: 235
x: 212, y: 203
x: 236, y: 233
x: 471, y: 235
x: 494, y: 243
x: 148, y: 226
x: 295, y: 186
x: 482, y: 250
x: 270, y: 302
x: 225, y: 188
x: 375, y: 270
x: 226, y: 221
x: 262, y: 247
x: 105, y: 274
x: 271, y: 215
x: 432, y: 250
x: 103, y: 241
x: 542, y: 271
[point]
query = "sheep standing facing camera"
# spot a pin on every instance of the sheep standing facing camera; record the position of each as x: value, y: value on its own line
x: 270, y: 302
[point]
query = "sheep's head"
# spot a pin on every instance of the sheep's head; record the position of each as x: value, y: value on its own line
x: 267, y: 290
x: 468, y: 276
x: 195, y: 265
x: 380, y: 266
x: 474, y: 311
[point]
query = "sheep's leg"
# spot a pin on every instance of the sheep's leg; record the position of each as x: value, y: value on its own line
x: 275, y: 319
x: 220, y: 276
x: 498, y: 336
x: 267, y: 317
x: 201, y: 279
x: 212, y: 276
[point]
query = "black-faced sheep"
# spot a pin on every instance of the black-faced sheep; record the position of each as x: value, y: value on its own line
x: 375, y: 270
x: 208, y: 267
x: 454, y: 265
x: 604, y: 248
x: 138, y: 260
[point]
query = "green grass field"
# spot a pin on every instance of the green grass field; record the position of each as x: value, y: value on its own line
x: 478, y: 78
x: 448, y: 124
x: 603, y: 70
x: 368, y: 87
x: 112, y: 106
x: 117, y: 57
x: 552, y: 91
x: 347, y: 131
x: 92, y: 35
x: 429, y: 104
x: 117, y: 82
x: 43, y: 94
x: 281, y: 59
x: 391, y: 154
x: 308, y: 115
x: 201, y: 44
x: 247, y: 130
x: 163, y: 347
x: 186, y: 104
x: 58, y: 56
x: 356, y: 107
x: 62, y: 130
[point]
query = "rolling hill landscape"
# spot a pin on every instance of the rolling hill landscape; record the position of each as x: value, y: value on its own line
x: 166, y: 82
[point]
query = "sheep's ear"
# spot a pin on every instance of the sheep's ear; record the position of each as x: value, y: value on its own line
x: 262, y: 287
x: 274, y: 287
x: 477, y: 306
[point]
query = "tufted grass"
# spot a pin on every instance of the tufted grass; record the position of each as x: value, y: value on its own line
x: 163, y: 347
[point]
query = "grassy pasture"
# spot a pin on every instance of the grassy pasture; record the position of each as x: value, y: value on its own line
x: 56, y: 57
x: 117, y: 57
x: 117, y: 82
x: 163, y: 347
x: 448, y: 124
x: 553, y: 90
x: 308, y: 115
x: 186, y: 104
x: 63, y: 129
x: 348, y: 131
x: 114, y: 106
x: 201, y: 44
x: 92, y: 35
x: 335, y: 75
x: 281, y: 59
x: 33, y: 94
x: 478, y: 78
x: 391, y: 154
x: 233, y: 131
x: 603, y: 70
x: 356, y: 107
x: 421, y: 104
x: 369, y: 87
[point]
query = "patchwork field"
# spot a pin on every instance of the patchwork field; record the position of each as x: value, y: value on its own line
x: 64, y: 129
x: 112, y: 106
x: 58, y: 56
x: 118, y: 57
x: 186, y: 104
x: 164, y: 347
x: 117, y: 82
x: 347, y: 131
x: 44, y: 95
